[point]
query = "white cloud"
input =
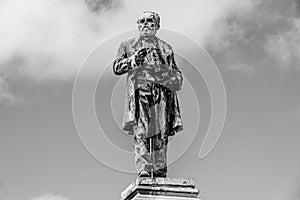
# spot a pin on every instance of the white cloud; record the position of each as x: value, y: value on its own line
x: 284, y: 47
x: 50, y: 196
x: 6, y: 96
x: 44, y: 39
x: 267, y: 36
x: 238, y: 66
x: 224, y: 36
x: 194, y: 18
x: 48, y: 39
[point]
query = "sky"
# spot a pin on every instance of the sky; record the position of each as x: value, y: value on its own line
x: 254, y: 43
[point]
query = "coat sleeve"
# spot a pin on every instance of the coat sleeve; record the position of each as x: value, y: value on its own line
x: 176, y: 78
x: 122, y: 63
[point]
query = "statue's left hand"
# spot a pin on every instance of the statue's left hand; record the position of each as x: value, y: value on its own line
x: 171, y: 83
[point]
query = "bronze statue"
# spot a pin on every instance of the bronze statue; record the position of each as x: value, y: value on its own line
x: 152, y: 111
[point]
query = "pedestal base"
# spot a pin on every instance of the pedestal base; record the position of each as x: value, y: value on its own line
x: 161, y: 189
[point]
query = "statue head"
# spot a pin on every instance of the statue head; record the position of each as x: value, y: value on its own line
x: 148, y: 24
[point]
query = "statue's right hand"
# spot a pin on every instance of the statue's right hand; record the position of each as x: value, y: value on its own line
x: 140, y: 55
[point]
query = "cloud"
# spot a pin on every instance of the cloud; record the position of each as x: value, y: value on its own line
x: 42, y: 40
x: 238, y: 66
x: 6, y: 96
x: 284, y: 47
x: 195, y: 20
x: 267, y: 36
x: 100, y: 5
x: 50, y: 196
x: 45, y: 39
x: 48, y: 40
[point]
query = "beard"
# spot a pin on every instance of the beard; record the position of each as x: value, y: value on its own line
x: 147, y: 31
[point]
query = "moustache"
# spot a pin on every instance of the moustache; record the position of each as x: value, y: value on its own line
x: 149, y: 27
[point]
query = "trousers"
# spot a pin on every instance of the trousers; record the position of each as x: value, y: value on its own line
x: 150, y: 138
x: 155, y: 161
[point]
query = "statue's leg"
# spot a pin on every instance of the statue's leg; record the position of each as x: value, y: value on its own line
x: 160, y: 128
x: 143, y: 160
x: 160, y: 156
x: 142, y: 157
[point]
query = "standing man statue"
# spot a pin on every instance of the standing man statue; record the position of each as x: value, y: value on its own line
x: 152, y: 111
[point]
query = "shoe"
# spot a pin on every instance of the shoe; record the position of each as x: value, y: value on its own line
x: 160, y: 175
x: 144, y: 174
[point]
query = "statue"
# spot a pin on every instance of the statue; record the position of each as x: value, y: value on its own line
x: 152, y: 111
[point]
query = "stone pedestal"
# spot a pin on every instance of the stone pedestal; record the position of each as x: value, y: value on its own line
x: 161, y: 189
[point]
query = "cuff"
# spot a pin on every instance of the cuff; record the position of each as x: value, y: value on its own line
x: 132, y: 62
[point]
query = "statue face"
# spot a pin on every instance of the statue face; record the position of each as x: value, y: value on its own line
x: 147, y: 25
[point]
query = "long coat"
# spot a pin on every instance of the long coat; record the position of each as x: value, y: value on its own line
x: 125, y: 63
